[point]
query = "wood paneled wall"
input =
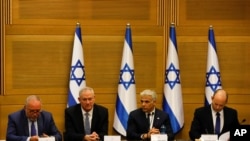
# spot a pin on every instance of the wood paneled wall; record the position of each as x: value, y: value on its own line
x: 37, y: 40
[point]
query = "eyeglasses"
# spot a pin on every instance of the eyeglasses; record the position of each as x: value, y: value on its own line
x: 34, y: 111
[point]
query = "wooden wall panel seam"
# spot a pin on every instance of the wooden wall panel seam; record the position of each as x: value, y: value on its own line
x: 173, y: 11
x: 8, y: 9
x: 161, y: 12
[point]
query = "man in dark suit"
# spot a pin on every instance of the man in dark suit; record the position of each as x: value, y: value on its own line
x: 19, y: 123
x: 86, y: 121
x: 148, y: 120
x: 204, y: 121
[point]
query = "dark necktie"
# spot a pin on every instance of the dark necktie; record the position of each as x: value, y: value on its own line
x: 148, y: 119
x: 32, y: 129
x: 217, y: 124
x: 87, y: 125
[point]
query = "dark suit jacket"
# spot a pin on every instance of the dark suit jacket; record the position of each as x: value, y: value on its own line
x: 138, y: 124
x: 203, y: 122
x: 74, y: 122
x: 18, y: 129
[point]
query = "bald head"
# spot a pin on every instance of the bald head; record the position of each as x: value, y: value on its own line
x: 219, y: 100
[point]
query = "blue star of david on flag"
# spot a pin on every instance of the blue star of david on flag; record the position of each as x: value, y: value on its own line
x: 176, y: 80
x: 77, y: 73
x: 126, y: 76
x: 213, y: 73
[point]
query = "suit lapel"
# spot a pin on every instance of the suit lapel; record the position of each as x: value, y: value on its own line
x: 40, y: 124
x: 143, y: 120
x: 210, y: 120
x: 94, y: 118
x: 226, y: 114
x: 79, y: 116
x: 26, y: 126
x: 25, y: 123
x: 156, y: 119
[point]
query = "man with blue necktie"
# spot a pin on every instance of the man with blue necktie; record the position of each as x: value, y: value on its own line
x: 215, y: 118
x: 31, y: 122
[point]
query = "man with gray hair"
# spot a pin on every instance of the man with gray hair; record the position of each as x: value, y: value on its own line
x: 148, y: 120
x: 87, y: 120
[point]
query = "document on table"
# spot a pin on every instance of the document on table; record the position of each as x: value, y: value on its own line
x: 46, y: 139
x: 225, y: 136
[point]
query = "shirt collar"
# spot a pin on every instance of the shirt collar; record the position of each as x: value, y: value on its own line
x: 214, y: 112
x: 90, y: 112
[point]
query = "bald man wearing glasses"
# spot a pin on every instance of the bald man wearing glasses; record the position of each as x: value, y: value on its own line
x: 30, y: 123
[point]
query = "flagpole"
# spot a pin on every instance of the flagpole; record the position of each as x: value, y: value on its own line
x: 77, y: 69
x: 126, y: 96
x: 213, y: 77
x: 172, y: 98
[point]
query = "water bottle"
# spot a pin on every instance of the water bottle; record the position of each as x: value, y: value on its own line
x: 163, y: 129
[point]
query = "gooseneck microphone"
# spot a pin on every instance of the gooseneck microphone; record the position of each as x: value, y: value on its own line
x: 206, y: 131
x: 243, y: 121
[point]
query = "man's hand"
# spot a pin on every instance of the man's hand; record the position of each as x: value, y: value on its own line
x: 44, y: 135
x: 92, y: 137
x: 34, y: 138
x: 153, y: 131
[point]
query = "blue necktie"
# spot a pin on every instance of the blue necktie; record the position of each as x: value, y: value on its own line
x: 32, y: 129
x: 87, y: 125
x: 217, y: 124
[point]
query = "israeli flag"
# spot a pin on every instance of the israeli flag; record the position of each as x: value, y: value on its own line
x: 172, y: 100
x: 126, y: 98
x: 77, y: 71
x: 213, y: 78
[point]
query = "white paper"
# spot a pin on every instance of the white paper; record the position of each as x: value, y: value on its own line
x: 225, y: 136
x: 112, y: 138
x: 209, y: 137
x: 159, y: 137
x: 47, y: 139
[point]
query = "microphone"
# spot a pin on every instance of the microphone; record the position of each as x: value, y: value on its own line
x: 243, y: 121
x: 206, y: 131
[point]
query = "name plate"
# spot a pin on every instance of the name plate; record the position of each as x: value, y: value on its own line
x: 46, y: 139
x: 159, y: 137
x: 209, y: 137
x: 112, y: 138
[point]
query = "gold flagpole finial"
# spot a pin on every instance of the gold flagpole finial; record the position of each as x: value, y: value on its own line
x: 172, y: 24
x: 78, y: 24
x: 211, y: 27
x: 128, y: 25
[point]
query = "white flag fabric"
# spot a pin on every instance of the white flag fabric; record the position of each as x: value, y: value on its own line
x: 77, y: 72
x: 213, y: 78
x: 172, y: 100
x: 126, y: 98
